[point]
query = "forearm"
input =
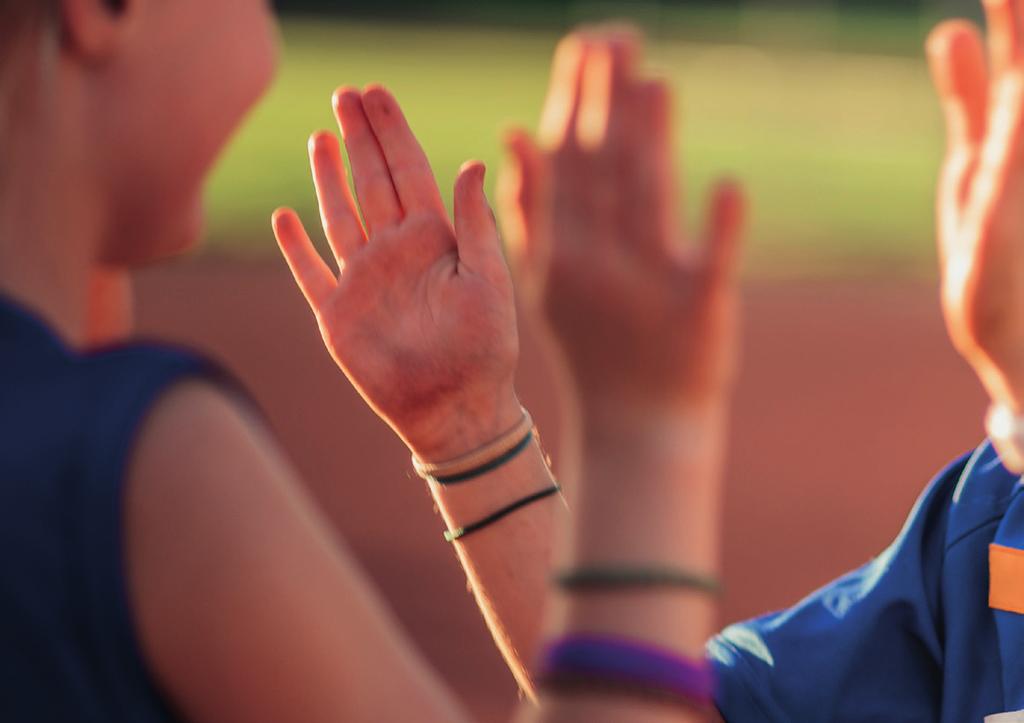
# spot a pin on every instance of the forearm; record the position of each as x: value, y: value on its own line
x: 650, y: 497
x: 508, y: 564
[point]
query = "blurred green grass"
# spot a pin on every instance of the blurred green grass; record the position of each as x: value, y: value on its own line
x: 839, y: 148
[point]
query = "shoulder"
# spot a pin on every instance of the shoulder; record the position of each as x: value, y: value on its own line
x: 981, y: 497
x: 199, y: 431
x: 124, y: 385
x: 206, y: 491
x: 105, y: 408
x: 232, y: 568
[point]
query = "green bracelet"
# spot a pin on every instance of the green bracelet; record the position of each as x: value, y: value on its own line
x: 602, y: 578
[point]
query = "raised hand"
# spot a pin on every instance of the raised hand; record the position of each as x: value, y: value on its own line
x: 420, y: 315
x: 644, y: 317
x: 981, y: 194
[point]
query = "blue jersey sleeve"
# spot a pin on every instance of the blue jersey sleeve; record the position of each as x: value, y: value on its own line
x: 867, y: 647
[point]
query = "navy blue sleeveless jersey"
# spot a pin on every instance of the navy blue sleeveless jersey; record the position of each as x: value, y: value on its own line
x: 68, y: 421
x: 908, y: 638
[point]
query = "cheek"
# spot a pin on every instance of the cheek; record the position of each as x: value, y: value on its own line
x: 237, y: 67
x: 192, y: 106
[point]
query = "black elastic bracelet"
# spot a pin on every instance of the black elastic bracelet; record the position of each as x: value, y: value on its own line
x: 459, y: 533
x: 597, y: 579
x: 487, y: 466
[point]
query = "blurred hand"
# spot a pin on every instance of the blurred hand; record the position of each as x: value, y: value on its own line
x: 421, y: 316
x: 981, y: 194
x: 644, y: 318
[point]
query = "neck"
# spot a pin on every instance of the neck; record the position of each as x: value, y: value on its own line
x: 35, y: 273
x: 51, y: 224
x: 49, y: 233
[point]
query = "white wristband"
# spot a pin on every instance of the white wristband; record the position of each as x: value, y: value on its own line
x: 1006, y: 430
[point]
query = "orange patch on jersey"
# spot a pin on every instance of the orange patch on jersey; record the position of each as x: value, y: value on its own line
x: 1006, y: 579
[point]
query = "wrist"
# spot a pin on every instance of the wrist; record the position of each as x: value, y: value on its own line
x: 670, y: 468
x: 463, y: 426
x: 645, y: 430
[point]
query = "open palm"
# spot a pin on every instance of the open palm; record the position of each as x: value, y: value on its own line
x: 643, y: 318
x: 421, y: 315
x: 981, y: 194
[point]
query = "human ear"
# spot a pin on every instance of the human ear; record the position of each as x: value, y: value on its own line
x: 95, y: 28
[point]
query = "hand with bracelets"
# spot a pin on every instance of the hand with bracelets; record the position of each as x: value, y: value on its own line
x: 642, y: 318
x: 420, y: 313
x: 420, y: 316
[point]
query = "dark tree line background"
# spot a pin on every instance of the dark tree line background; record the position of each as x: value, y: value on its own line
x: 556, y: 8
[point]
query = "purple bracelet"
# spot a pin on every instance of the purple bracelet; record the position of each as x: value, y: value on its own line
x: 596, y: 663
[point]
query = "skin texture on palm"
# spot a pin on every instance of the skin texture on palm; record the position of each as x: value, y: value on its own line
x: 981, y: 194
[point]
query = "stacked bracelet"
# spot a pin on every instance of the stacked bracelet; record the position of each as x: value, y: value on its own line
x: 461, y: 532
x: 604, y: 664
x: 481, y: 461
x: 600, y: 579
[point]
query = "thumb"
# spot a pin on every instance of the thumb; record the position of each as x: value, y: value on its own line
x: 522, y: 205
x: 957, y: 60
x: 476, y: 231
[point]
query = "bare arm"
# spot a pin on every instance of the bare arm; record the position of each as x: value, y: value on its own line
x: 508, y: 565
x: 247, y: 607
x: 643, y: 320
x: 421, y: 318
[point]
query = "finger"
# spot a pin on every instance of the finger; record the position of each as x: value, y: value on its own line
x: 957, y: 59
x: 374, y: 188
x: 561, y: 109
x: 410, y: 170
x: 311, y: 272
x: 726, y: 220
x: 650, y: 190
x: 476, y: 230
x: 1004, y: 33
x: 521, y: 202
x: 607, y: 94
x: 337, y: 207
